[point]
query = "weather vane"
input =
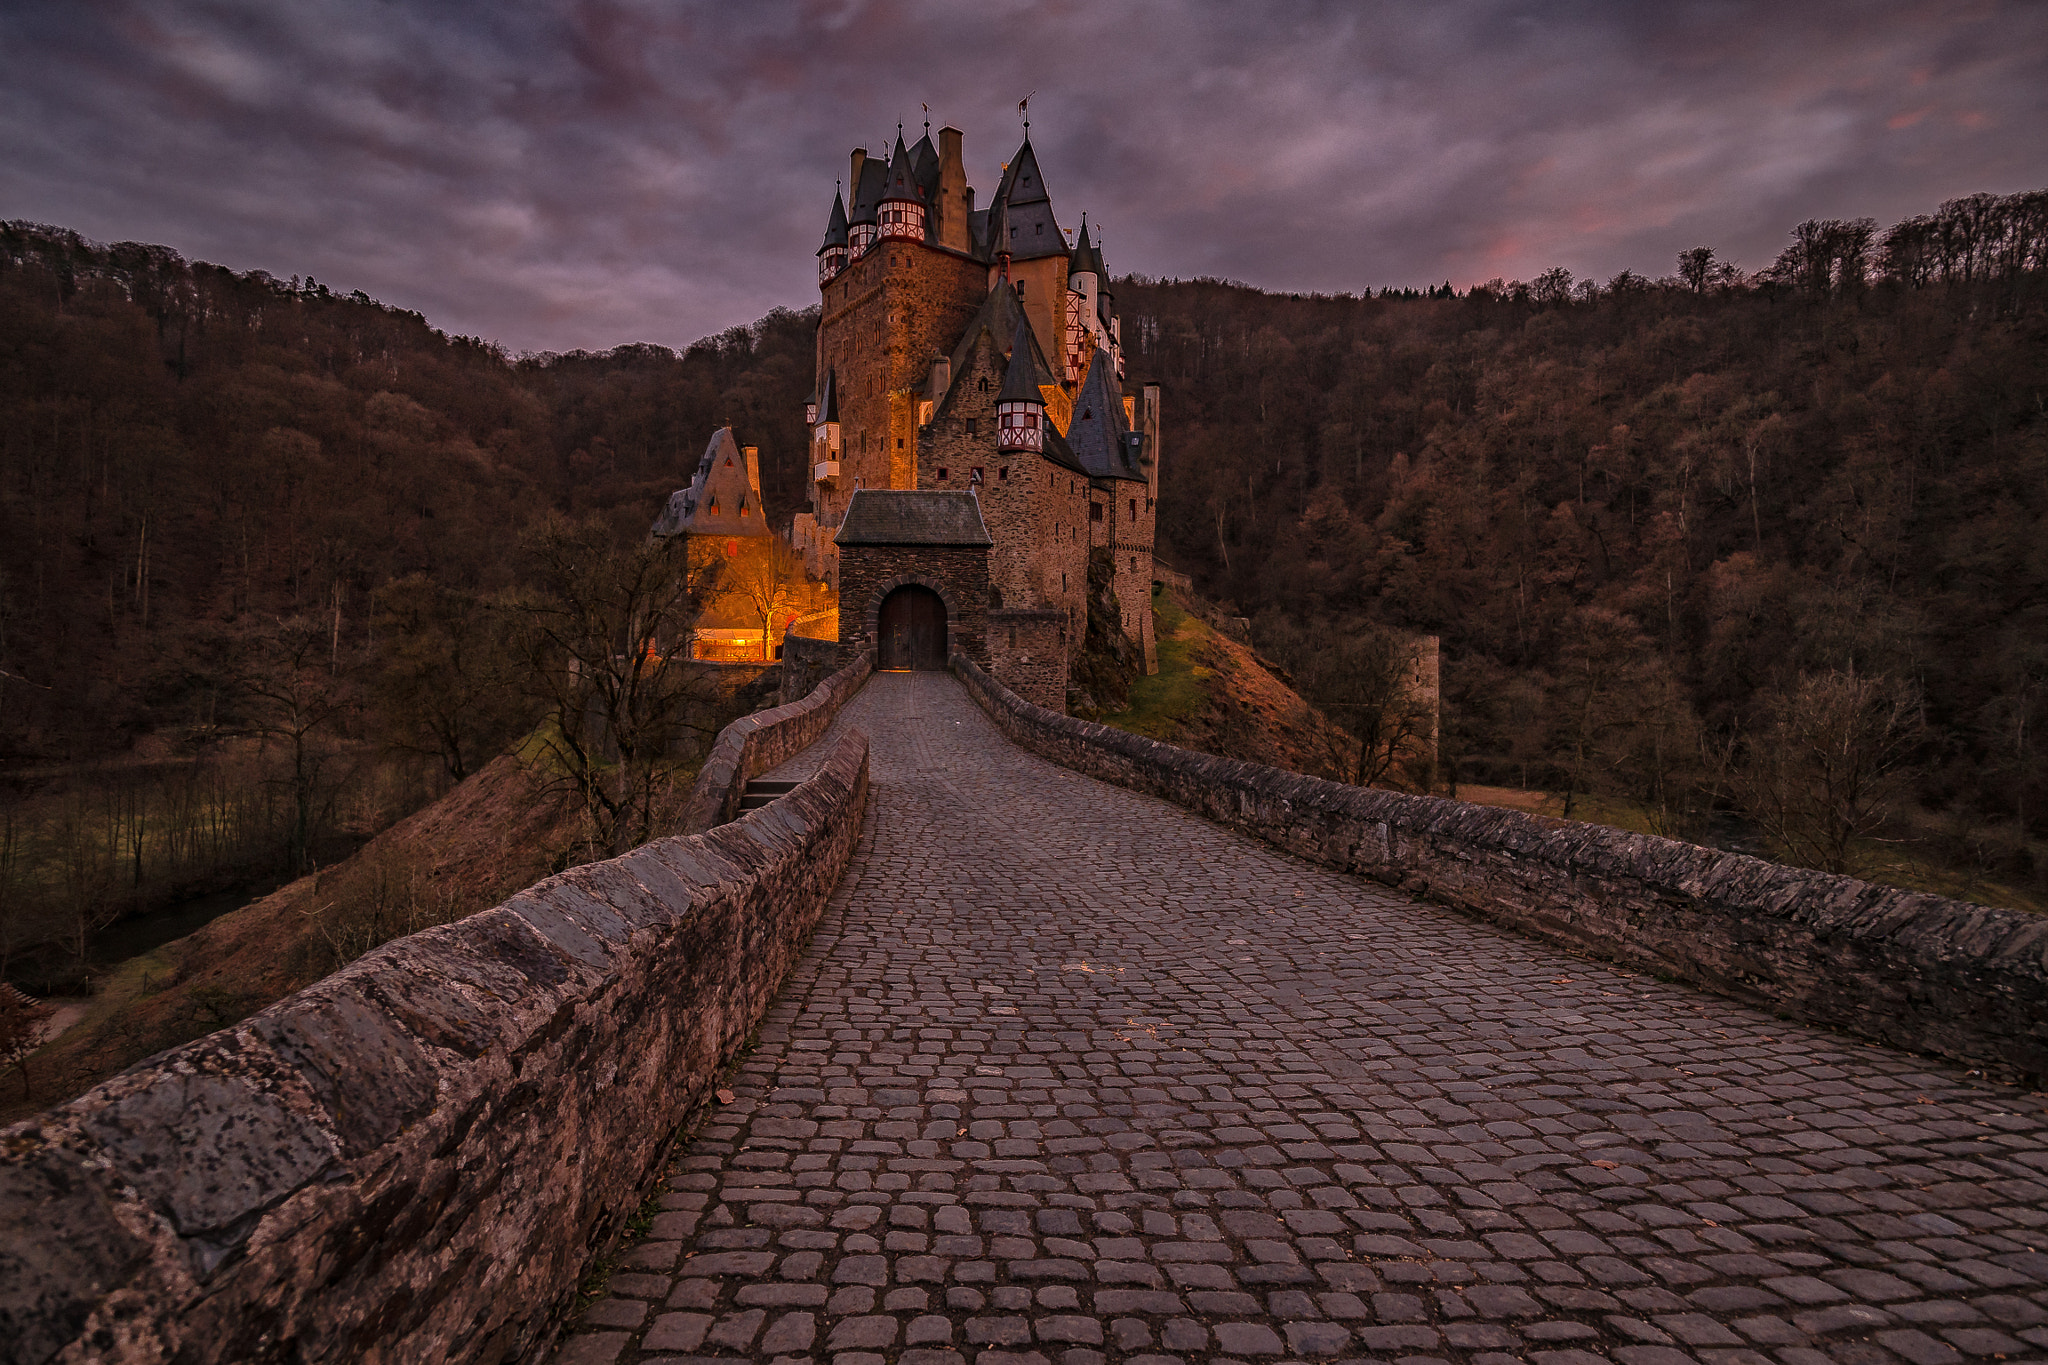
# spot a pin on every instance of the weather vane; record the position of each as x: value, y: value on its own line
x: 1024, y: 112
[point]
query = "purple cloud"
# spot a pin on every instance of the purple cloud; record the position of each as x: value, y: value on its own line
x: 585, y: 174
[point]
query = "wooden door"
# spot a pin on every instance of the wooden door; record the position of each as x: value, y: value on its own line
x: 912, y: 630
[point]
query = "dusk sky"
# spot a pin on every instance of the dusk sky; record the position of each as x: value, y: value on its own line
x: 559, y: 175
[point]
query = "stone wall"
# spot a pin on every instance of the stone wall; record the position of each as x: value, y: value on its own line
x: 416, y: 1158
x: 1033, y: 505
x: 1027, y: 652
x: 753, y: 744
x: 1904, y: 968
x: 806, y: 662
x: 957, y: 573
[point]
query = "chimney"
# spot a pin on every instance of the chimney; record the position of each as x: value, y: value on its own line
x: 941, y: 378
x: 753, y: 454
x: 860, y: 157
x: 1151, y: 414
x: 956, y: 201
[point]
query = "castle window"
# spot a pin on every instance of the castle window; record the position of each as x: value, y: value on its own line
x: 728, y: 462
x: 984, y: 389
x: 1041, y: 229
x: 899, y: 443
x: 977, y: 473
x: 732, y: 549
x: 970, y: 421
x: 714, y: 507
x: 1087, y: 413
x: 1003, y: 473
x: 1134, y: 509
x: 1095, y: 511
x: 942, y: 473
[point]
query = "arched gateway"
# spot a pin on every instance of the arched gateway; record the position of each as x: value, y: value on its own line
x: 912, y: 629
x: 913, y: 577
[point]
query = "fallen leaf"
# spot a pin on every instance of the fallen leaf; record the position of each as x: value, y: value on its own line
x: 725, y: 1097
x: 1608, y: 1165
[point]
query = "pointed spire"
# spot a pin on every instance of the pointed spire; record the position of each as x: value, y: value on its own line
x: 901, y: 183
x: 1085, y: 260
x: 1020, y: 380
x: 835, y: 226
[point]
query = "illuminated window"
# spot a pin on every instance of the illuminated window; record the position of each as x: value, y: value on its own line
x: 732, y: 549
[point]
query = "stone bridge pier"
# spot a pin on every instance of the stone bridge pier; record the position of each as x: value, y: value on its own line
x: 1069, y: 1076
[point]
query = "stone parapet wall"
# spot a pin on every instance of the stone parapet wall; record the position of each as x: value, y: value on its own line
x: 1028, y: 654
x: 1903, y: 968
x: 806, y: 662
x: 753, y: 744
x: 416, y: 1158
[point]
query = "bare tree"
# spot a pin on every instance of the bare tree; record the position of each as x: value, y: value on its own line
x: 1696, y: 268
x: 22, y: 1024
x: 1366, y: 679
x: 442, y: 684
x: 298, y: 700
x: 590, y: 641
x: 1829, y: 764
x: 768, y: 581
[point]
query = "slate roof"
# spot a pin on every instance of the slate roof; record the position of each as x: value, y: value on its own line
x: 901, y: 516
x: 902, y: 181
x: 1020, y: 379
x: 720, y: 501
x: 1033, y: 231
x: 868, y: 193
x: 1099, y: 433
x: 835, y: 226
x: 1086, y: 259
x: 998, y: 315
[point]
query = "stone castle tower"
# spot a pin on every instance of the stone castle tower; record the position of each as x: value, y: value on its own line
x: 974, y: 350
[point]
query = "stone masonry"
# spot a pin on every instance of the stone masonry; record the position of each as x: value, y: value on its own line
x: 958, y: 574
x: 1070, y: 1076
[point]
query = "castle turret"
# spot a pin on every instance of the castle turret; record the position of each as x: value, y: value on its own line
x: 1020, y: 409
x: 832, y: 255
x: 870, y: 180
x: 1084, y: 278
x: 825, y: 432
x: 901, y: 209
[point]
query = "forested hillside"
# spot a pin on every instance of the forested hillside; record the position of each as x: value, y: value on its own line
x: 189, y: 450
x: 1771, y: 543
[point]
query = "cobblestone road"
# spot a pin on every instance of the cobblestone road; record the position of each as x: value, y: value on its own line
x: 1070, y: 1076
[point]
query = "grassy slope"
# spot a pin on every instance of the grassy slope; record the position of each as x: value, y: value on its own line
x: 1213, y: 694
x: 494, y: 834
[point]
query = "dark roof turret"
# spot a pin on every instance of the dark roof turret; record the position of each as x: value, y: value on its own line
x: 835, y: 226
x: 901, y: 182
x: 1020, y: 379
x: 1086, y: 259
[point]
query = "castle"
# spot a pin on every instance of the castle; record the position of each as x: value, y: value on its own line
x: 973, y: 449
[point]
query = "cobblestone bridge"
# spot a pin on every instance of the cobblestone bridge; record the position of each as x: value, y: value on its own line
x: 1069, y: 1076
